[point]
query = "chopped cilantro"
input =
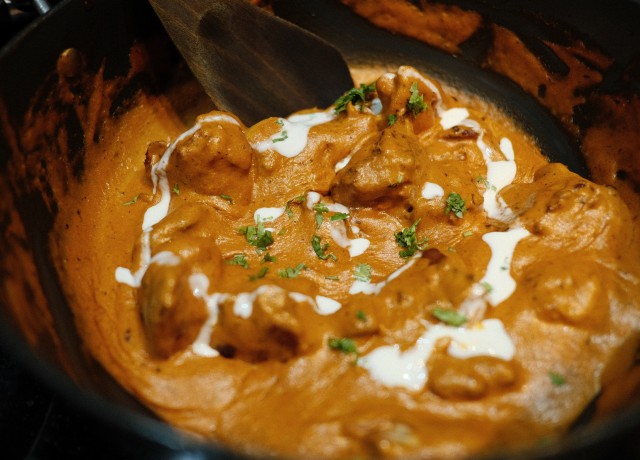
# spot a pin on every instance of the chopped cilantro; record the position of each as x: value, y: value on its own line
x: 287, y: 208
x: 361, y: 315
x: 353, y: 95
x: 269, y: 258
x: 257, y: 235
x: 283, y: 231
x: 391, y: 119
x: 238, y: 259
x: 176, y: 189
x: 227, y: 198
x: 416, y: 102
x: 467, y: 234
x: 363, y: 273
x: 320, y: 209
x: 456, y: 205
x: 131, y: 201
x: 487, y: 286
x: 406, y: 238
x: 292, y: 272
x: 557, y: 379
x: 320, y: 249
x: 448, y: 316
x: 345, y: 345
x: 332, y: 278
x: 483, y: 180
x: 263, y: 271
x: 340, y: 216
x: 284, y: 135
x: 280, y: 122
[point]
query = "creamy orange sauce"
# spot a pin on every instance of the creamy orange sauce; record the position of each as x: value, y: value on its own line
x: 334, y: 332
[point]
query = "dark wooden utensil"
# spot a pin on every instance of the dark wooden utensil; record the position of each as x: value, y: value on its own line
x: 250, y: 62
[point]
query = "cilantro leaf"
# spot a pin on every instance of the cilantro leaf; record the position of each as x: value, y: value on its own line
x: 238, y: 259
x: 292, y: 272
x: 339, y: 216
x: 257, y: 236
x: 557, y: 379
x: 407, y: 239
x: 416, y: 103
x: 284, y: 135
x: 131, y: 201
x: 320, y: 249
x: 320, y: 209
x: 227, y: 198
x: 456, y: 205
x: 363, y: 273
x: 344, y: 344
x: 448, y: 316
x: 299, y: 199
x: 354, y: 95
x: 263, y: 271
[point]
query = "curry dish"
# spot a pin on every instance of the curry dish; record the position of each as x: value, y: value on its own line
x: 402, y: 274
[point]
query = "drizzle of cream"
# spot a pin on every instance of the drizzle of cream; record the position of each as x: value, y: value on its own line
x: 168, y: 258
x: 159, y: 211
x: 391, y: 366
x: 243, y: 305
x: 356, y: 246
x: 291, y: 140
x: 431, y: 191
x: 199, y: 284
x: 453, y: 117
x: 267, y: 214
x: 376, y: 106
x: 497, y: 277
x: 321, y: 305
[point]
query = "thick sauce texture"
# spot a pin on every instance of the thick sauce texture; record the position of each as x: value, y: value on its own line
x: 402, y: 274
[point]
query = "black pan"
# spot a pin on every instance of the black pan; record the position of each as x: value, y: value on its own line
x: 103, y: 31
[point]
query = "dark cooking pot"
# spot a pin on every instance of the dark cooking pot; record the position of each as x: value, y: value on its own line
x: 101, y: 32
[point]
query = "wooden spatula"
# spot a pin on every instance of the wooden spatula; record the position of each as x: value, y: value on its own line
x: 250, y: 62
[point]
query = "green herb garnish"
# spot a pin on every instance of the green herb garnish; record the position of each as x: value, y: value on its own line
x: 456, y: 205
x: 263, y: 271
x: 391, y: 119
x: 332, y: 278
x: 320, y: 209
x: 487, y: 184
x: 353, y: 95
x: 292, y: 272
x: 284, y: 135
x: 320, y: 249
x: 448, y: 316
x: 557, y: 379
x: 467, y: 234
x: 487, y: 286
x: 257, y: 236
x: 363, y: 273
x: 238, y: 259
x: 406, y: 238
x: 361, y: 315
x: 176, y: 189
x: 227, y: 198
x: 345, y: 345
x: 131, y: 201
x: 269, y: 258
x: 340, y: 216
x: 287, y: 208
x: 416, y: 102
